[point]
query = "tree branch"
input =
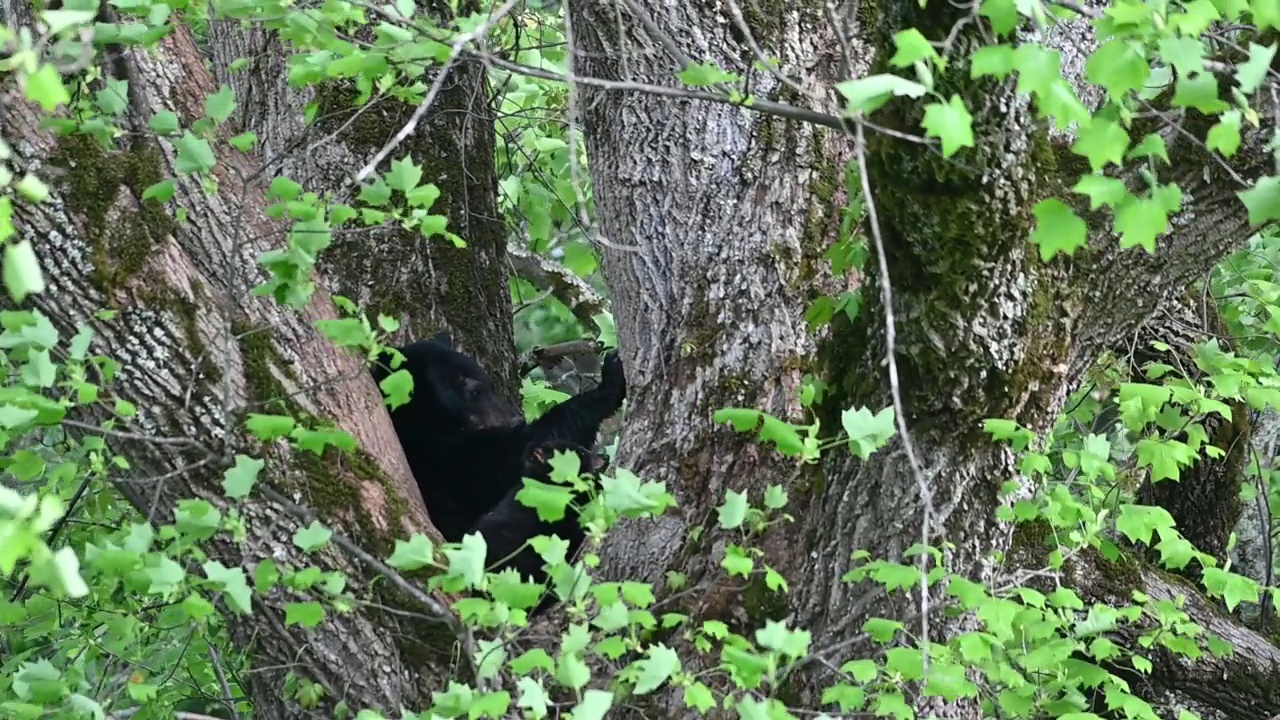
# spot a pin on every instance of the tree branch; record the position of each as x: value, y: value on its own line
x: 576, y: 294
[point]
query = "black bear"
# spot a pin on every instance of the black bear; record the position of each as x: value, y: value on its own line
x: 510, y: 524
x: 465, y: 444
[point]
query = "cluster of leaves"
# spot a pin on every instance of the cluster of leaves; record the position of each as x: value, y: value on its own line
x: 1146, y: 51
x: 1048, y: 652
x: 110, y: 615
x: 131, y: 612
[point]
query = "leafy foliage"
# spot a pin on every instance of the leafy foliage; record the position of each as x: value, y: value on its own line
x: 108, y: 612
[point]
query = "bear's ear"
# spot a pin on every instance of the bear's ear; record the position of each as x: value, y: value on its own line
x: 443, y: 338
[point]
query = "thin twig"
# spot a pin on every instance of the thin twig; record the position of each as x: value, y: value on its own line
x: 421, y: 111
x: 886, y: 299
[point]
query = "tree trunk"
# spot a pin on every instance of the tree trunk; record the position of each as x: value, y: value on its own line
x: 428, y: 285
x: 199, y: 352
x: 728, y: 212
x: 718, y: 218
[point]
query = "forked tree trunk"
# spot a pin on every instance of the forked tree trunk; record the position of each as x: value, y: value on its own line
x: 727, y: 214
x: 717, y: 219
x: 198, y: 352
x: 428, y: 285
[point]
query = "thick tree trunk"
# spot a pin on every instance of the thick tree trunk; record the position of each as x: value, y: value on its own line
x: 728, y: 211
x: 718, y: 218
x: 428, y: 285
x: 198, y: 352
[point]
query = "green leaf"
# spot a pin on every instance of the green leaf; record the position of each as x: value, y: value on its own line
x: 467, y: 560
x: 1139, y: 221
x: 905, y: 661
x: 775, y: 497
x: 1196, y: 17
x: 1151, y: 145
x: 113, y: 99
x: 594, y: 706
x: 238, y: 480
x: 1101, y: 141
x: 194, y: 154
x: 66, y: 567
x: 161, y: 192
x: 1138, y: 522
x: 699, y: 697
x: 22, y: 274
x: 412, y: 555
x: 375, y: 193
x: 244, y: 142
x: 1251, y: 72
x: 233, y: 584
x: 266, y: 576
x: 164, y: 122
x: 882, y: 630
x: 44, y: 87
x: 997, y: 60
x: 742, y: 419
x: 1266, y: 13
x: 404, y: 175
x: 424, y: 196
x: 734, y: 510
x: 912, y: 47
x: 780, y: 638
x: 737, y: 562
x: 1262, y: 200
x: 433, y: 225
x: 704, y: 75
x: 868, y: 94
x: 165, y: 576
x: 1058, y: 229
x: 548, y: 500
x: 1225, y: 135
x: 305, y: 614
x: 1232, y: 588
x: 1166, y: 458
x: 1102, y: 190
x: 269, y: 427
x: 1118, y: 66
x: 659, y: 665
x: 1003, y: 15
x: 862, y: 670
x: 12, y: 416
x: 1185, y: 54
x: 60, y: 20
x: 32, y: 188
x: 867, y: 433
x: 312, y: 537
x: 951, y: 122
x: 1200, y: 92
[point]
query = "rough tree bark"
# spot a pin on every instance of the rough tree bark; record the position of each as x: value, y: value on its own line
x: 198, y: 352
x: 728, y: 210
x: 718, y: 218
x: 428, y: 285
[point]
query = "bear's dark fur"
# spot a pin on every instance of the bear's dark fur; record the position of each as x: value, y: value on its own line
x: 510, y: 524
x: 467, y: 445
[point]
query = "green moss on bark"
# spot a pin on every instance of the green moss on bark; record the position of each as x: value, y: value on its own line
x: 331, y: 480
x: 121, y: 238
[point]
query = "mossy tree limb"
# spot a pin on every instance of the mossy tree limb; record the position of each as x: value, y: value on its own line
x: 985, y: 328
x: 426, y: 284
x: 197, y: 353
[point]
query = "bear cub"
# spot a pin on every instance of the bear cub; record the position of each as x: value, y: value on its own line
x: 469, y: 448
x: 510, y: 524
